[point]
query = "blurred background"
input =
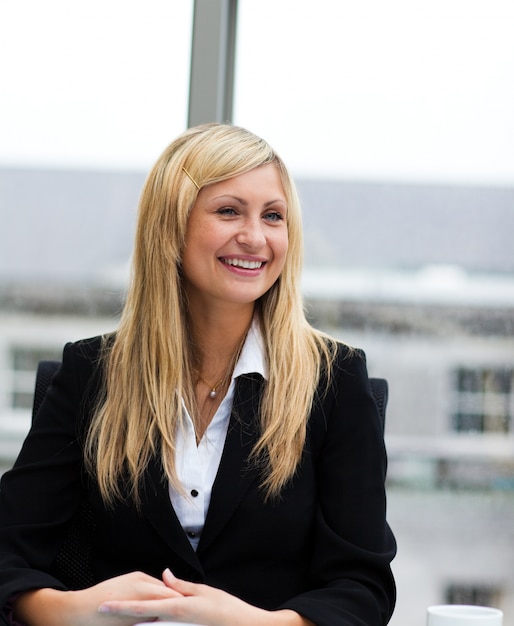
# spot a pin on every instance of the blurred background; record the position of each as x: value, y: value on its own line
x: 396, y: 120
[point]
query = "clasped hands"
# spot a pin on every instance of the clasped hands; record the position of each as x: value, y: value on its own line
x: 178, y: 600
x: 137, y: 597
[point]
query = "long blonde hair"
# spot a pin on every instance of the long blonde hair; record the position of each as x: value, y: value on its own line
x: 148, y: 362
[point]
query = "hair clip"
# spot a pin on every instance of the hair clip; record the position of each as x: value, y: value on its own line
x: 191, y: 178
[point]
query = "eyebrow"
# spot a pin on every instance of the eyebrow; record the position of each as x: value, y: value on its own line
x: 245, y: 203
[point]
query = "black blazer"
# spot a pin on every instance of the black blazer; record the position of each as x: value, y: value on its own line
x: 323, y: 549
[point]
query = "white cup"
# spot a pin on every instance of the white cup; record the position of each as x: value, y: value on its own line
x: 462, y: 614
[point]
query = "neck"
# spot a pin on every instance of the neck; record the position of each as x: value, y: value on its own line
x: 218, y: 344
x: 218, y: 336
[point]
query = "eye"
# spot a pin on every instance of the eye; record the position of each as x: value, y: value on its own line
x: 226, y: 210
x: 274, y: 216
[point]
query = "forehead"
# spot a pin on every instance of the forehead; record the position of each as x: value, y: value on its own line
x: 263, y: 182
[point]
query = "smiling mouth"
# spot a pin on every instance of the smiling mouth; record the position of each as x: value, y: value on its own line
x: 243, y: 263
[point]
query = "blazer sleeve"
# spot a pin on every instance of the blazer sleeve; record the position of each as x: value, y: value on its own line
x: 41, y: 493
x: 353, y: 544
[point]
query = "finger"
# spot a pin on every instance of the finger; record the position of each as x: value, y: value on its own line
x: 147, y: 608
x: 184, y: 587
x: 171, y: 581
x: 168, y: 577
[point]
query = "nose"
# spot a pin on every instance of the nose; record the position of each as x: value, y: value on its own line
x: 251, y: 235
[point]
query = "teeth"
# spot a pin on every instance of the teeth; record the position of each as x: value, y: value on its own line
x: 247, y: 265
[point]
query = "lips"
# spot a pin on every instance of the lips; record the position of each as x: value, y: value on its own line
x: 243, y: 263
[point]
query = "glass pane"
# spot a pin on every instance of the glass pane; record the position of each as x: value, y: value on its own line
x: 499, y: 381
x: 403, y: 90
x: 22, y: 400
x: 96, y: 84
x: 26, y: 359
x: 470, y: 380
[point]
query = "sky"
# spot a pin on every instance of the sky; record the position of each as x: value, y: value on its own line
x: 404, y: 90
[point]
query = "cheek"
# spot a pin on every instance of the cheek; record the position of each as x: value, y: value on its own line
x: 281, y: 248
x: 193, y: 257
x: 200, y: 242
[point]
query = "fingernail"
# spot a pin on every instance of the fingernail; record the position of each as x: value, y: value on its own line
x: 104, y: 609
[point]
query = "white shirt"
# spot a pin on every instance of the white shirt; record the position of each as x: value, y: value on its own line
x: 197, y: 465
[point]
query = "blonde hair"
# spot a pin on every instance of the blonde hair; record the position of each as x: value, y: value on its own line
x: 148, y: 362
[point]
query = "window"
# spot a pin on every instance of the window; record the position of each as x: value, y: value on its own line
x: 24, y: 365
x: 484, y: 400
x: 481, y: 595
x: 93, y: 67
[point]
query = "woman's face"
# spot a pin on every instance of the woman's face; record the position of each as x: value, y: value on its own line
x: 236, y: 239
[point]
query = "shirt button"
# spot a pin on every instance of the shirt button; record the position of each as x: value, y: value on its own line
x: 194, y: 493
x: 192, y: 534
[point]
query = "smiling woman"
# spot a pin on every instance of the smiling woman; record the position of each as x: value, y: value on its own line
x: 236, y: 243
x: 215, y: 413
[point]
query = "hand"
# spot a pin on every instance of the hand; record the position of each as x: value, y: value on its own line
x: 134, y: 587
x: 49, y: 607
x: 201, y: 604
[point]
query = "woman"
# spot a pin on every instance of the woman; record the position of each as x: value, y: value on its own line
x: 230, y: 455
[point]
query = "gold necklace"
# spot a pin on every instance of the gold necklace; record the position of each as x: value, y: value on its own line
x: 213, y: 393
x: 214, y: 389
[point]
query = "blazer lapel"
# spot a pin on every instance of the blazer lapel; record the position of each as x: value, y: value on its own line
x: 234, y: 475
x: 158, y: 510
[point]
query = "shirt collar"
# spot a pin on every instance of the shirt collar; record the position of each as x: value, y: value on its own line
x: 253, y: 354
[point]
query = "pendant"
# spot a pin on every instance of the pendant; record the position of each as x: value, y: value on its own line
x: 213, y: 393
